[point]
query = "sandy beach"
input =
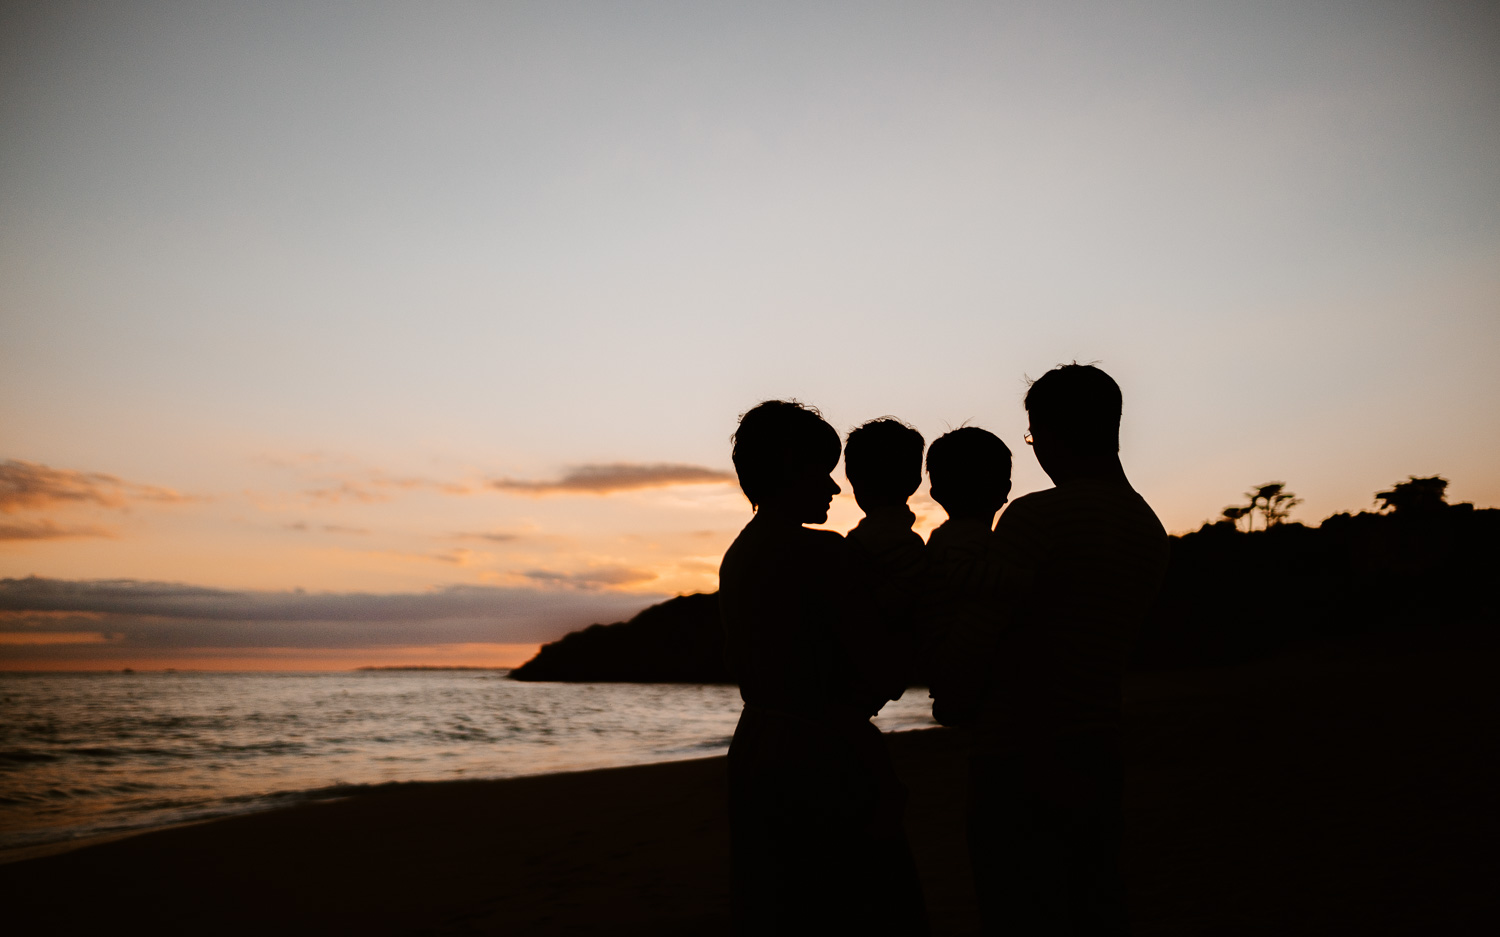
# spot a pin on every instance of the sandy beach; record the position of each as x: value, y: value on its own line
x: 1345, y: 790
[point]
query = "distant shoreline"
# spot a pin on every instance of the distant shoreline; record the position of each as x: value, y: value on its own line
x: 430, y: 667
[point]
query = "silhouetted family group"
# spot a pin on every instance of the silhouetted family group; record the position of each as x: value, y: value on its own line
x: 1021, y: 629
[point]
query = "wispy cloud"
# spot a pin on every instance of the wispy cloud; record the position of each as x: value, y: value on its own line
x: 47, y: 638
x: 304, y: 527
x: 150, y: 614
x: 50, y: 530
x: 9, y: 617
x: 617, y: 476
x: 497, y: 536
x: 593, y: 578
x: 31, y: 485
x: 350, y: 491
x: 376, y: 487
x: 459, y: 556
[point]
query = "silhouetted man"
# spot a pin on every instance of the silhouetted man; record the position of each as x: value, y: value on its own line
x: 1082, y: 562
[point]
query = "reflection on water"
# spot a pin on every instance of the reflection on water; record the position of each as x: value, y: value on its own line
x: 88, y: 753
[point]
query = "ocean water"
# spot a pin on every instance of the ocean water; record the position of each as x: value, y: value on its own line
x: 85, y: 754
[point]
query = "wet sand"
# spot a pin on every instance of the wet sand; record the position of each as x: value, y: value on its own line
x: 1348, y: 790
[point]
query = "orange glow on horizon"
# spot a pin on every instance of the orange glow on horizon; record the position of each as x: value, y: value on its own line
x: 288, y: 658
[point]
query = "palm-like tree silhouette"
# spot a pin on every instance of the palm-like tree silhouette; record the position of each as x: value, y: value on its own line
x: 1273, y: 502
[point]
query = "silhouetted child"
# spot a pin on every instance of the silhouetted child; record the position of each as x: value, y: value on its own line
x: 968, y: 470
x: 969, y: 473
x: 883, y: 461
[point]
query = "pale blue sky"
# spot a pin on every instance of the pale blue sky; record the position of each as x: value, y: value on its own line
x: 467, y: 241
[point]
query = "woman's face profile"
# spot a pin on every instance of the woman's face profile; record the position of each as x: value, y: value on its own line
x: 807, y: 491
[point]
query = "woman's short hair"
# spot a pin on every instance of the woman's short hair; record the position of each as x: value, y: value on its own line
x: 774, y: 436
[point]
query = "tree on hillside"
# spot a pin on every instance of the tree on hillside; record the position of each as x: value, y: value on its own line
x: 1234, y: 512
x: 1273, y: 502
x: 1415, y: 496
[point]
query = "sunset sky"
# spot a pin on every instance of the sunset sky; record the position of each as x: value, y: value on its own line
x: 337, y: 334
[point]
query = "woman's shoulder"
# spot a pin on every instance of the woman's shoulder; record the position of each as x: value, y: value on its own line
x: 823, y: 552
x: 780, y: 542
x: 817, y: 539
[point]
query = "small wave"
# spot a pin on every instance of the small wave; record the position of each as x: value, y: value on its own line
x: 26, y: 756
x: 85, y: 755
x: 154, y: 752
x: 276, y: 747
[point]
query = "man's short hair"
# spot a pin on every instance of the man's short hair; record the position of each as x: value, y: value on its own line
x: 1077, y: 403
x: 883, y: 458
x: 968, y: 463
x: 774, y: 436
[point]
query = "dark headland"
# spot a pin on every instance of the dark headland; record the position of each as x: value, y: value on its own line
x: 677, y: 641
x: 1230, y: 597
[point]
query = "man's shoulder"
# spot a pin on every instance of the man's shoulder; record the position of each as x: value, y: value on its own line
x: 1084, y: 496
x: 1027, y: 510
x: 1033, y: 501
x: 1094, y: 513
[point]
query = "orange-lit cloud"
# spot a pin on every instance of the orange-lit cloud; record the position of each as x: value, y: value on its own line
x: 497, y: 536
x: 352, y: 491
x: 303, y: 527
x: 50, y: 530
x: 595, y: 578
x: 460, y: 556
x: 31, y: 485
x: 375, y: 487
x: 617, y: 476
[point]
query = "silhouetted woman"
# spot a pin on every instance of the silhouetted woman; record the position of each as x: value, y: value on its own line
x: 815, y: 810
